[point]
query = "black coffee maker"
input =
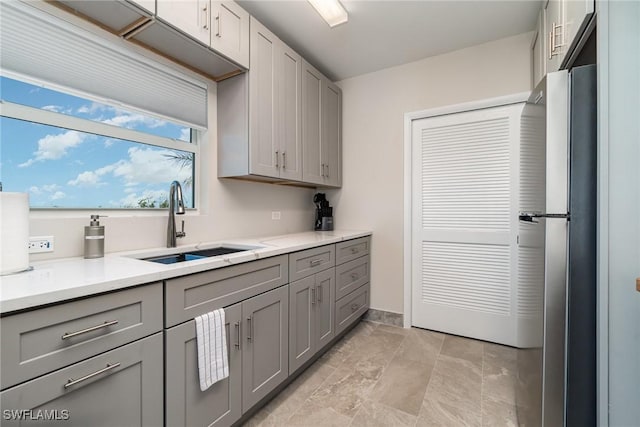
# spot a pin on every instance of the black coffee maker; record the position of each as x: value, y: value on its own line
x: 324, y: 213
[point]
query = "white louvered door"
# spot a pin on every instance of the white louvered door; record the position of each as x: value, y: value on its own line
x: 465, y: 219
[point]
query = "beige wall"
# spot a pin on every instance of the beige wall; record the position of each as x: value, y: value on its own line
x: 373, y: 112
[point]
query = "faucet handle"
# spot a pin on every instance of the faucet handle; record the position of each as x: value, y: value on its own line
x: 181, y: 233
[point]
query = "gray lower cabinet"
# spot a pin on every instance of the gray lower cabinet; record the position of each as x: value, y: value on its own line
x: 186, y: 404
x: 265, y: 344
x: 121, y: 387
x: 311, y: 305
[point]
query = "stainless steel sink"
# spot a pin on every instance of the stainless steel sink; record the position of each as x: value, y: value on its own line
x: 194, y: 255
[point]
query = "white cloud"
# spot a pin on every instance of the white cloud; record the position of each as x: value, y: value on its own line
x: 150, y: 166
x: 58, y: 195
x: 54, y: 108
x: 129, y: 120
x: 53, y: 147
x: 132, y: 199
x: 92, y: 178
x: 50, y: 187
x: 185, y: 134
x: 35, y: 190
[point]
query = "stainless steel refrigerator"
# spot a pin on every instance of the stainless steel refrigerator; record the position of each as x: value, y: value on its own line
x: 557, y: 237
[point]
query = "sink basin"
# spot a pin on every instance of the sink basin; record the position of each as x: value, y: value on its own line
x: 193, y: 255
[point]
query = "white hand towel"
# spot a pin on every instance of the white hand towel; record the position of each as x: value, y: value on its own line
x: 213, y: 364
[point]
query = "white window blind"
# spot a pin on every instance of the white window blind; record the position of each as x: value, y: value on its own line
x: 41, y: 46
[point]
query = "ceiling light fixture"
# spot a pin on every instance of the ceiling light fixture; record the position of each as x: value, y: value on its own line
x: 331, y: 11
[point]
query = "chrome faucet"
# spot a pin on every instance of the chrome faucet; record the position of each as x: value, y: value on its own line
x: 175, y: 196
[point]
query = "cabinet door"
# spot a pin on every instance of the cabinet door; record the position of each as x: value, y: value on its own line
x: 325, y: 304
x: 302, y: 302
x: 186, y: 404
x: 122, y: 387
x: 311, y: 122
x: 190, y: 16
x: 230, y: 31
x: 576, y: 17
x: 554, y: 37
x: 289, y: 113
x: 263, y: 155
x: 265, y: 356
x: 331, y: 133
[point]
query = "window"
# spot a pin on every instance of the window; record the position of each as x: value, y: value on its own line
x: 70, y: 152
x: 88, y: 122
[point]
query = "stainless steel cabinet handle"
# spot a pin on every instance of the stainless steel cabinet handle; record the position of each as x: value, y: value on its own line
x: 238, y: 339
x: 250, y: 326
x: 72, y: 382
x: 277, y: 155
x: 219, y: 22
x: 205, y: 17
x: 322, y: 170
x: 327, y: 174
x: 284, y: 160
x: 106, y: 324
x: 354, y: 276
x: 315, y: 262
x: 313, y: 295
x: 355, y: 250
x: 354, y: 307
x: 319, y: 293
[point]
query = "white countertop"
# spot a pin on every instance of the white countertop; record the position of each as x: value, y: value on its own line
x: 68, y: 278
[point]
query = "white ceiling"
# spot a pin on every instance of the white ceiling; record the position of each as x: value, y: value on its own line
x: 384, y: 33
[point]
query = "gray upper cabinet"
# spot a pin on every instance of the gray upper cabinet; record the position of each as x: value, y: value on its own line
x: 230, y: 31
x: 265, y: 340
x: 322, y: 128
x: 331, y: 146
x: 259, y: 119
x: 312, y: 166
x: 565, y: 22
x: 224, y: 26
x: 186, y: 404
x: 122, y: 387
x: 207, y: 36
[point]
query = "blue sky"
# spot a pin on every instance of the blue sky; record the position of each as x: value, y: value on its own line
x: 64, y: 168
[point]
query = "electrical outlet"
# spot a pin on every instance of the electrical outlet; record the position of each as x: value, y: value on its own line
x: 275, y: 215
x: 39, y: 244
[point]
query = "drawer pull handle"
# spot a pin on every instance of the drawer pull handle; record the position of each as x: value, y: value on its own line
x: 354, y: 307
x: 354, y: 276
x: 315, y: 262
x: 237, y: 344
x: 91, y: 329
x: 250, y: 327
x: 72, y: 382
x: 355, y: 250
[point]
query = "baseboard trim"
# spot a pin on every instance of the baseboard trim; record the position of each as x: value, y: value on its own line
x: 386, y: 317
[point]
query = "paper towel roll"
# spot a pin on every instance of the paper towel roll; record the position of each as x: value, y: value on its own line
x: 14, y: 232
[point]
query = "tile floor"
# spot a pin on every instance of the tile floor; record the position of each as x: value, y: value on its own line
x: 380, y: 375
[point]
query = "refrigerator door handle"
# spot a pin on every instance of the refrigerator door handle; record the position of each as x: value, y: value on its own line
x: 531, y: 216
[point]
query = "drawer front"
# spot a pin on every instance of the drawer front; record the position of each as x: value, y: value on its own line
x: 352, y: 249
x: 351, y: 275
x: 350, y: 308
x: 122, y: 387
x: 46, y: 339
x: 191, y: 296
x: 311, y: 261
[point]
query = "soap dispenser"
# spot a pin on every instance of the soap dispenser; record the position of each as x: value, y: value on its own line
x: 94, y: 238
